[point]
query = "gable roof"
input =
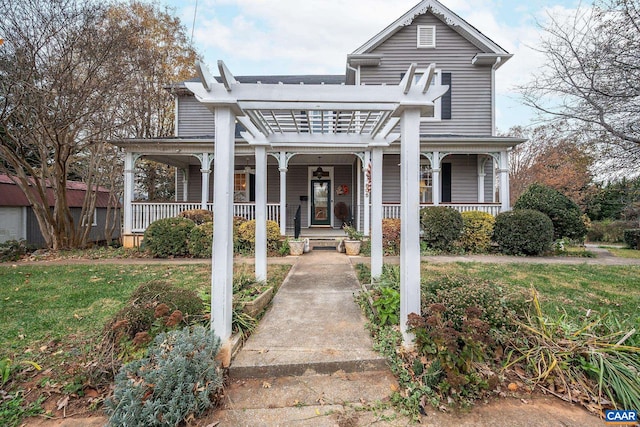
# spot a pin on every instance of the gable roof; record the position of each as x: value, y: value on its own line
x: 458, y: 24
x: 12, y: 195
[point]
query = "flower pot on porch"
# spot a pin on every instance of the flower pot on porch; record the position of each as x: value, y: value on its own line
x: 296, y: 247
x: 352, y: 247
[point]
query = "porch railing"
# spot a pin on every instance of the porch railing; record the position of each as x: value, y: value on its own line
x: 393, y: 210
x: 144, y: 213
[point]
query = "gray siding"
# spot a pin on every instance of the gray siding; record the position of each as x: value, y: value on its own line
x: 464, y: 178
x: 488, y: 180
x: 391, y: 178
x: 194, y: 119
x: 471, y: 85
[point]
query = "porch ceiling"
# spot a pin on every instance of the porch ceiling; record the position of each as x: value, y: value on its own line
x: 317, y: 115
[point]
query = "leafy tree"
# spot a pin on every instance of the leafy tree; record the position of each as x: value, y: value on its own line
x: 591, y: 78
x: 81, y: 73
x: 551, y: 157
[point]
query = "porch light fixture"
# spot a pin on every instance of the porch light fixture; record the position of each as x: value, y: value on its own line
x: 318, y: 173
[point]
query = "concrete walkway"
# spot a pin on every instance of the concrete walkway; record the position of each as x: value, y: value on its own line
x: 310, y: 361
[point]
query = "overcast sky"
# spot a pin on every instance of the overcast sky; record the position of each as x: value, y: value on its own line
x: 256, y: 37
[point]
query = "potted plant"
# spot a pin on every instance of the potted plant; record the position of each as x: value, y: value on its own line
x: 354, y: 240
x: 296, y: 246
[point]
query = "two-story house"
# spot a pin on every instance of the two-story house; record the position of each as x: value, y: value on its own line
x: 411, y: 123
x: 463, y: 164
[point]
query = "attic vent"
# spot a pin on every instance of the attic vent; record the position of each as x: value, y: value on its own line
x: 426, y: 36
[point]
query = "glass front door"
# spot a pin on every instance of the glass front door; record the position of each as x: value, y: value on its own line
x: 320, y: 202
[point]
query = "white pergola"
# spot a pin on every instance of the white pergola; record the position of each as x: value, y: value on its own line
x: 323, y: 116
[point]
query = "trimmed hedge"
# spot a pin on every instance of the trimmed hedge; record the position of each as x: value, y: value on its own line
x: 199, y: 216
x: 247, y: 234
x: 201, y: 240
x: 441, y: 226
x: 168, y: 237
x: 477, y: 229
x: 563, y: 212
x: 523, y: 232
x: 632, y: 238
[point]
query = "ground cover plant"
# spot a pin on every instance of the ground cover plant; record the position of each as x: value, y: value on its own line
x: 73, y: 304
x: 575, y: 339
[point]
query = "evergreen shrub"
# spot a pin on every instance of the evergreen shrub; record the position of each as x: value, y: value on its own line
x: 477, y: 229
x: 201, y: 240
x: 168, y: 237
x: 607, y: 231
x: 391, y: 236
x: 198, y: 216
x: 441, y: 226
x: 247, y: 235
x: 179, y: 378
x: 563, y: 212
x: 523, y: 232
x: 632, y: 238
x: 12, y: 250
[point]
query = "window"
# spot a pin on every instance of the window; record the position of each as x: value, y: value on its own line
x: 240, y: 187
x: 95, y: 218
x: 426, y: 36
x: 426, y: 182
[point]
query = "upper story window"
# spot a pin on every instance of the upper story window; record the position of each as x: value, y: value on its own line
x: 426, y: 36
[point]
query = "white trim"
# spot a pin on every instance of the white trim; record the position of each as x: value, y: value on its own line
x: 437, y: 104
x: 426, y: 37
x: 310, y: 170
x: 446, y: 15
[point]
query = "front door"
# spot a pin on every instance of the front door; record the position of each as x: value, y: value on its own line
x: 321, y: 202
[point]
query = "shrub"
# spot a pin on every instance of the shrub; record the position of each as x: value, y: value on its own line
x: 178, y: 379
x: 607, y: 231
x: 12, y: 250
x: 563, y: 212
x: 523, y: 232
x: 154, y: 307
x: 477, y: 228
x: 201, y: 240
x: 632, y: 238
x: 168, y: 237
x: 247, y: 235
x: 441, y: 226
x: 198, y: 216
x: 391, y: 236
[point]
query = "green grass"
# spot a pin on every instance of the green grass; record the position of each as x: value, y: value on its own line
x: 625, y: 252
x: 72, y: 303
x: 573, y: 289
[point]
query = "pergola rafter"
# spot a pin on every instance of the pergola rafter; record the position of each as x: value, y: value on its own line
x: 361, y: 119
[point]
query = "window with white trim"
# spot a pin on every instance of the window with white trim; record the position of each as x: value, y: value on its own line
x: 240, y: 187
x: 95, y: 218
x: 426, y: 181
x: 426, y: 36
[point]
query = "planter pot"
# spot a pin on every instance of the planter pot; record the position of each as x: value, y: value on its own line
x: 352, y: 247
x: 253, y: 308
x: 296, y: 247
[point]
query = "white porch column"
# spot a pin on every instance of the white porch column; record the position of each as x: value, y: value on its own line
x: 376, y: 213
x: 367, y: 194
x: 129, y: 181
x: 206, y: 171
x: 481, y: 174
x: 435, y: 178
x: 356, y: 211
x: 261, y: 213
x: 185, y: 184
x: 222, y: 258
x: 282, y: 167
x: 504, y: 181
x: 410, y: 218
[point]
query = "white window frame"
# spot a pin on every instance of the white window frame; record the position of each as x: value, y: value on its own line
x: 426, y: 181
x: 432, y: 30
x: 95, y: 218
x: 241, y: 196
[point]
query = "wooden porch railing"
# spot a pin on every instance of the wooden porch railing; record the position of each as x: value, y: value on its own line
x: 144, y: 213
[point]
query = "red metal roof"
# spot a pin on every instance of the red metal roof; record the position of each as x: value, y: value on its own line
x: 12, y: 195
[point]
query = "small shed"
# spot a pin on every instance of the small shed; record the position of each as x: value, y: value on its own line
x: 18, y: 220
